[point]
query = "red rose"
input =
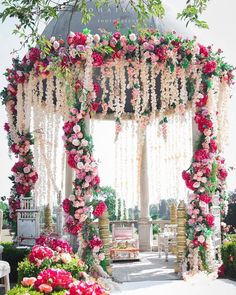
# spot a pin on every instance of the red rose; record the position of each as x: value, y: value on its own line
x: 11, y: 89
x: 34, y: 54
x: 96, y: 88
x: 185, y: 175
x: 71, y: 161
x: 6, y: 127
x: 205, y: 198
x: 201, y: 154
x: 210, y: 220
x: 100, y: 209
x: 15, y: 148
x: 77, y: 39
x: 117, y: 35
x: 95, y: 106
x: 202, y: 102
x: 66, y: 205
x: 34, y: 177
x: 161, y: 53
x: 221, y: 271
x: 203, y: 50
x: 22, y: 189
x: 213, y: 145
x: 209, y: 67
x: 223, y: 174
x: 68, y: 127
x: 78, y: 85
x: 97, y: 59
x: 196, y: 243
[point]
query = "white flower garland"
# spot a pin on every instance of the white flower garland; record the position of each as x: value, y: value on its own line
x: 20, y: 108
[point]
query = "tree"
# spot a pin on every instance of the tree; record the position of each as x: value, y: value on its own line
x: 109, y: 194
x: 29, y: 13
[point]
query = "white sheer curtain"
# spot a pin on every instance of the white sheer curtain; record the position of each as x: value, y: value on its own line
x: 168, y: 157
x: 118, y: 162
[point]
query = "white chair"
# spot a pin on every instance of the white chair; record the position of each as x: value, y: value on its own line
x: 166, y: 239
x: 4, y: 275
x: 28, y: 225
x: 4, y: 266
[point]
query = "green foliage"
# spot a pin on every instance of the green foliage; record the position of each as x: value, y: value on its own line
x: 20, y: 290
x: 5, y: 209
x: 191, y: 13
x: 27, y: 269
x: 228, y: 253
x: 156, y: 229
x: 30, y: 13
x: 13, y: 256
x: 109, y: 195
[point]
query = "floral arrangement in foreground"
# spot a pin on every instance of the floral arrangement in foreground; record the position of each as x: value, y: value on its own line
x: 52, y: 268
x: 188, y: 71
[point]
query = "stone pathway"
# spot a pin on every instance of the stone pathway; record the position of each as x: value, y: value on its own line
x: 178, y: 287
x: 149, y: 268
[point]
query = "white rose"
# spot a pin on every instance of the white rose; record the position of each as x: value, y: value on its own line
x: 80, y: 165
x: 96, y: 249
x: 101, y: 256
x: 56, y: 45
x: 76, y: 129
x: 83, y: 217
x: 96, y: 38
x: 132, y: 37
x: 71, y: 198
x: 52, y: 39
x: 84, y: 142
x: 72, y: 34
x: 75, y: 142
x: 26, y: 170
x: 66, y: 258
x: 201, y: 239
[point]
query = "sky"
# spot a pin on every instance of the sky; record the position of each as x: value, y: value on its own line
x: 221, y: 19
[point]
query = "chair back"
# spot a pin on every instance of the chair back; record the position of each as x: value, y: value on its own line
x: 122, y: 232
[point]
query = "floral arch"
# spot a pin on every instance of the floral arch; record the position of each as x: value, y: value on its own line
x: 60, y: 78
